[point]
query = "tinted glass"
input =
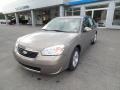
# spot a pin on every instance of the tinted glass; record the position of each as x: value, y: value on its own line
x: 86, y: 22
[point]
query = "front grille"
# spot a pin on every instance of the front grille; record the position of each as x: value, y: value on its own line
x: 27, y: 53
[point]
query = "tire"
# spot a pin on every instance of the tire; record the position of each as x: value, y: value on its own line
x: 94, y: 39
x: 74, y: 60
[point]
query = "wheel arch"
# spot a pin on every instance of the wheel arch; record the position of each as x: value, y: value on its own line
x: 79, y: 47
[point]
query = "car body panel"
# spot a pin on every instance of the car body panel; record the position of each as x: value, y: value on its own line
x: 42, y: 39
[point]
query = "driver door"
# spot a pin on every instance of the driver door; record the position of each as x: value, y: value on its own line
x: 86, y: 36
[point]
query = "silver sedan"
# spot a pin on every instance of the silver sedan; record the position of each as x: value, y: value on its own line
x: 57, y: 46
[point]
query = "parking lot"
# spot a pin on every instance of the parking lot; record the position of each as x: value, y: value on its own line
x: 99, y: 68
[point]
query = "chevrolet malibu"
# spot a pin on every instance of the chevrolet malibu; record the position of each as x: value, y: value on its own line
x: 57, y: 46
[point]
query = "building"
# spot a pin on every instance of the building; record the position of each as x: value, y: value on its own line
x: 36, y: 11
x: 105, y: 12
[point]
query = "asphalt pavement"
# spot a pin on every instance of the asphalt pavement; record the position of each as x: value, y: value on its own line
x: 99, y: 68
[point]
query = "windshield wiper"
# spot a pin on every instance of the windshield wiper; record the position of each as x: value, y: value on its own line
x: 57, y: 30
x: 54, y: 30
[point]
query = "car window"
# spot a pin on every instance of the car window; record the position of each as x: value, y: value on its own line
x: 91, y: 22
x: 63, y: 24
x: 94, y: 23
x: 86, y: 22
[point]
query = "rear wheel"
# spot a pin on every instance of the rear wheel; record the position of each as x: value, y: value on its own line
x: 74, y: 59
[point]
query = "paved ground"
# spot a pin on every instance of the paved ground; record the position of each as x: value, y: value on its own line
x: 99, y: 68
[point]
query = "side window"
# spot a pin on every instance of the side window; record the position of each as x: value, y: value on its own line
x: 91, y: 22
x: 94, y: 23
x: 86, y: 23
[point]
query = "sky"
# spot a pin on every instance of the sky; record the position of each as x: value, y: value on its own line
x: 5, y: 2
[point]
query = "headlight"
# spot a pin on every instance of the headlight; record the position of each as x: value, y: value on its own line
x: 53, y: 51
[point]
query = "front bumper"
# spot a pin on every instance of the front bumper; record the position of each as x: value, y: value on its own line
x: 42, y: 64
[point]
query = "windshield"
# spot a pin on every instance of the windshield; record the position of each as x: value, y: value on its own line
x: 63, y: 25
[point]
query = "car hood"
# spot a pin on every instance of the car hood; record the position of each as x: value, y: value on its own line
x: 44, y: 39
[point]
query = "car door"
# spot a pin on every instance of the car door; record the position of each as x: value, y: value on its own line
x: 86, y: 36
x: 93, y: 28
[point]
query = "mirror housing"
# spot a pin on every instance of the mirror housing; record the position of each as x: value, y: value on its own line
x: 87, y: 29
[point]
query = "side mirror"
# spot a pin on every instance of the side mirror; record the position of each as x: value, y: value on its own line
x: 87, y: 29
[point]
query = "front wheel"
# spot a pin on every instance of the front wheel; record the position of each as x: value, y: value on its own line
x: 74, y: 59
